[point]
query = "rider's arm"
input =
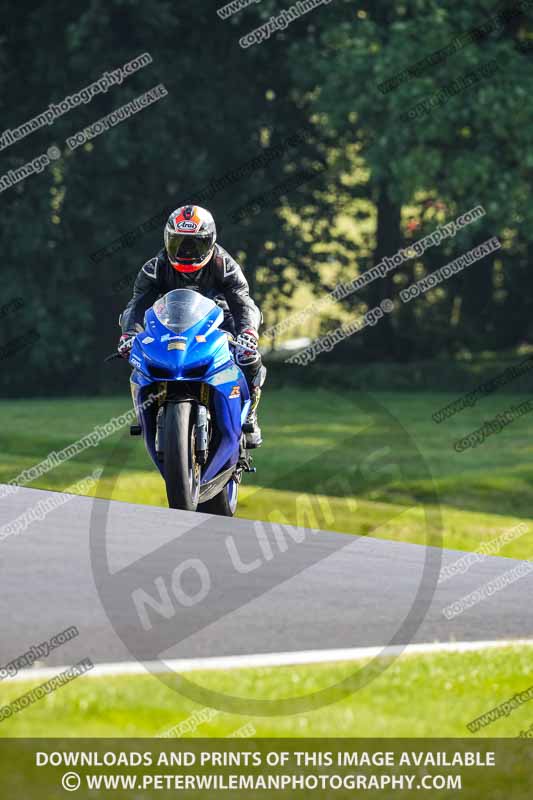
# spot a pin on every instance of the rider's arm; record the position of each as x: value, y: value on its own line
x: 145, y: 292
x: 237, y: 293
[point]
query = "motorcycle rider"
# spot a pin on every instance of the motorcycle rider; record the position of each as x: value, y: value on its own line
x: 192, y: 259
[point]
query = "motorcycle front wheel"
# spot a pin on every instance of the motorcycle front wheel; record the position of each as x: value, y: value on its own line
x: 182, y: 471
x: 224, y: 504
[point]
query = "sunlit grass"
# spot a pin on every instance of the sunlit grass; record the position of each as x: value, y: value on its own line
x: 420, y: 696
x: 314, y: 442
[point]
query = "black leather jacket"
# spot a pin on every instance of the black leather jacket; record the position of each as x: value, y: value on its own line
x: 221, y: 277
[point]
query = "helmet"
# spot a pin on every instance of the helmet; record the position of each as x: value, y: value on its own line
x: 190, y: 236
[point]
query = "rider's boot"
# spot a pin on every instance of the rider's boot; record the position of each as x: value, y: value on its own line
x: 251, y: 428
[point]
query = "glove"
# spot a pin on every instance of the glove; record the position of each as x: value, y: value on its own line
x: 125, y: 344
x: 246, y: 345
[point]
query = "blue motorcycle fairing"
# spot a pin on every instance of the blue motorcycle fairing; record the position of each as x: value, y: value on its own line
x: 199, y: 354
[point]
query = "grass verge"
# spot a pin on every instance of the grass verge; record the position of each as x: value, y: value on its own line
x: 417, y: 696
x: 481, y: 492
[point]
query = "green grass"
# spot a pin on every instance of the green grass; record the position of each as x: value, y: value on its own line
x: 331, y: 463
x: 327, y: 462
x: 417, y: 696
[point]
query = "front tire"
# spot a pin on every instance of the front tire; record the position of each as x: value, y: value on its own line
x: 224, y: 504
x: 182, y: 471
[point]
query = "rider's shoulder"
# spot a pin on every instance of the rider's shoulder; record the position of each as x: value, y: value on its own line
x: 224, y: 263
x: 153, y: 266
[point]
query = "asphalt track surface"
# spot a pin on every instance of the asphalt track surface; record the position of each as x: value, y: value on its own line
x: 250, y: 588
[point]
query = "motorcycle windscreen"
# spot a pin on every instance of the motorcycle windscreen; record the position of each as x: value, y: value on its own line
x: 182, y: 308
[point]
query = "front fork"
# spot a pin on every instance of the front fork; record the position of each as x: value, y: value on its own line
x: 202, y: 432
x: 201, y: 425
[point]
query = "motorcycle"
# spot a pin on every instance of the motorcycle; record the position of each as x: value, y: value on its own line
x: 191, y: 401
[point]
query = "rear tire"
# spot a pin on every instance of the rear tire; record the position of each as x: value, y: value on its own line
x: 182, y: 472
x: 224, y: 504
